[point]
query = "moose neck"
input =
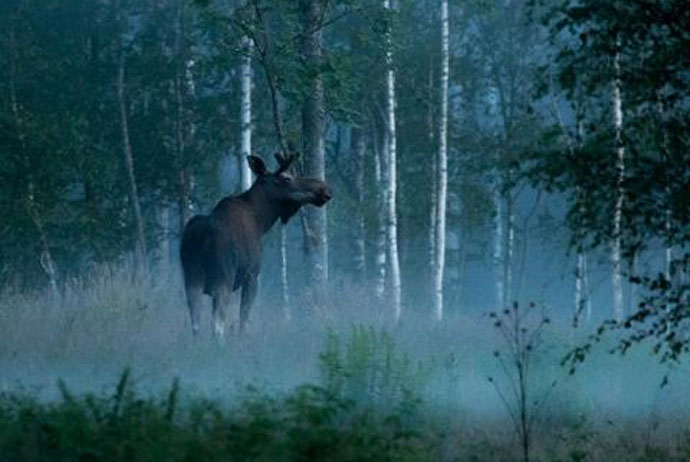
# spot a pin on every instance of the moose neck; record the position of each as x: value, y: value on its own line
x: 266, y: 209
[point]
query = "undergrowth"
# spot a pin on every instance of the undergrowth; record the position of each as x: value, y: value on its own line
x: 367, y: 406
x: 335, y: 421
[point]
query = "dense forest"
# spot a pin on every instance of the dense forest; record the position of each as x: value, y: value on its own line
x: 484, y: 155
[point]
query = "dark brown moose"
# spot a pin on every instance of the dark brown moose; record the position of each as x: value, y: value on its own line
x: 221, y: 252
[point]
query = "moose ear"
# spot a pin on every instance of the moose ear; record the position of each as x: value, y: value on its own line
x: 257, y: 165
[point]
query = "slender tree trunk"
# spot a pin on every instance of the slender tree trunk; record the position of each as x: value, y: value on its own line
x: 442, y: 170
x: 284, y: 285
x: 583, y: 306
x: 380, y: 262
x: 140, y: 243
x: 184, y: 178
x: 582, y: 302
x: 46, y: 258
x: 509, y: 250
x: 162, y: 222
x: 434, y: 180
x: 392, y: 180
x: 246, y: 113
x: 617, y: 273
x: 359, y: 258
x: 668, y: 251
x: 316, y: 239
x: 632, y: 288
x: 498, y: 245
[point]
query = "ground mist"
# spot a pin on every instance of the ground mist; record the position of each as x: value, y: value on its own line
x: 111, y: 372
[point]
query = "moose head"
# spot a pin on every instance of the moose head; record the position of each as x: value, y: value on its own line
x: 287, y: 191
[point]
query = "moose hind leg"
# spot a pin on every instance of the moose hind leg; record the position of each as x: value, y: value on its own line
x: 194, y: 301
x: 248, y: 294
x: 221, y: 298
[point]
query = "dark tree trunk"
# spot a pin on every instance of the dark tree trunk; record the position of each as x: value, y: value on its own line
x: 316, y: 244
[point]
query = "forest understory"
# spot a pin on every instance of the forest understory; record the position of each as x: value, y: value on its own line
x: 112, y: 372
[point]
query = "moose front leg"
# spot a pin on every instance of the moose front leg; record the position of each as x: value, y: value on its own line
x: 194, y: 302
x: 248, y: 294
x: 221, y: 298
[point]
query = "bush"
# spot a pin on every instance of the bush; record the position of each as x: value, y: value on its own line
x: 310, y: 423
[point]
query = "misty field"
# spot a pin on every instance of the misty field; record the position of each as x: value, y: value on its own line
x: 112, y: 372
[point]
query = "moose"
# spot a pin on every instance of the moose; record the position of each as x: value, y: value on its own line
x: 221, y: 252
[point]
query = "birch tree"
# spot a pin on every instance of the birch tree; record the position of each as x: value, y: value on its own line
x: 46, y: 259
x: 246, y: 112
x: 180, y: 82
x: 442, y: 170
x: 617, y: 273
x: 582, y: 303
x: 391, y: 176
x: 140, y: 243
x: 359, y: 147
x: 497, y: 256
x: 380, y: 150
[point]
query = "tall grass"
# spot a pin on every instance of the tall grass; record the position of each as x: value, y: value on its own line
x: 415, y: 387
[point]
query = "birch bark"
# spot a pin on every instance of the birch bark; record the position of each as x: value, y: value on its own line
x: 379, y: 162
x: 246, y: 113
x: 617, y: 272
x: 434, y: 178
x: 359, y: 258
x: 285, y: 287
x: 140, y: 244
x: 442, y: 170
x: 391, y: 174
x: 498, y: 245
x: 183, y: 175
x: 509, y: 250
x: 46, y: 258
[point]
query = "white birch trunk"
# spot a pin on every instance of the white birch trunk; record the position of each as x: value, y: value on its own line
x: 380, y: 262
x: 668, y: 253
x: 392, y: 181
x: 285, y: 288
x: 163, y: 250
x: 140, y: 243
x: 498, y: 246
x: 434, y: 179
x: 442, y: 170
x: 617, y: 273
x: 509, y: 250
x: 246, y: 113
x: 182, y: 79
x: 583, y: 304
x: 360, y: 261
x: 46, y: 258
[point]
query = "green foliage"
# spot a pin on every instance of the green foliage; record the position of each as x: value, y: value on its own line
x: 649, y: 41
x: 308, y: 424
x: 366, y: 368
